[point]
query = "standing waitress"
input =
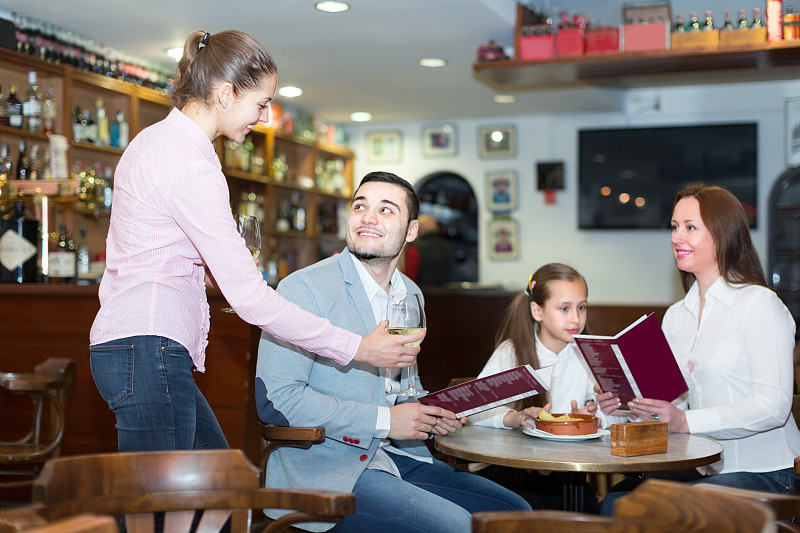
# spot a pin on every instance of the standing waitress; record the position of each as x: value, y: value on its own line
x: 171, y: 226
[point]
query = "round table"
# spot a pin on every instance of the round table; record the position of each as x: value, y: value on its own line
x: 516, y: 449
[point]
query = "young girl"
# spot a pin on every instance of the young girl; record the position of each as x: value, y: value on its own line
x: 537, y: 329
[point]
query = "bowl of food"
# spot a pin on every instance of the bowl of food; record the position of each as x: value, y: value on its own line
x: 566, y: 423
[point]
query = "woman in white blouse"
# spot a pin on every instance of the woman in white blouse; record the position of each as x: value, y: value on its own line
x: 733, y: 339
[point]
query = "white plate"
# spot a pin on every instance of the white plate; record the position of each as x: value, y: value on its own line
x: 564, y: 438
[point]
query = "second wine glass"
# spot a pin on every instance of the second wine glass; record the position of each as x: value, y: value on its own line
x: 250, y: 230
x: 406, y: 316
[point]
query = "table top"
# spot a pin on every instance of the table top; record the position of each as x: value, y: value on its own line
x: 516, y: 449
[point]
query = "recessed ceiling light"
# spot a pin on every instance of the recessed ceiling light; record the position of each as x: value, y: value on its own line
x: 504, y: 99
x: 360, y: 116
x: 432, y: 62
x: 330, y: 6
x: 290, y: 91
x: 175, y: 53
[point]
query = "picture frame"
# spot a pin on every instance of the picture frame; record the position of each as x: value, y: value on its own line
x: 550, y: 175
x: 501, y: 190
x: 503, y: 239
x: 439, y: 140
x: 792, y: 131
x: 384, y: 147
x: 497, y: 141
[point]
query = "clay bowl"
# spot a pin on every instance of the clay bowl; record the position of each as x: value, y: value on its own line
x: 585, y: 426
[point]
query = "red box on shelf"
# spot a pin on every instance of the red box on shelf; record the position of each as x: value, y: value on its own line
x: 570, y: 42
x: 602, y: 39
x: 534, y: 47
x: 640, y: 37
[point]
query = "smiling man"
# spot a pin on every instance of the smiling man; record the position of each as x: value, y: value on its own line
x: 373, y: 445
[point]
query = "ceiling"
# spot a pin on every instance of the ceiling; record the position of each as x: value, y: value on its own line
x: 361, y: 60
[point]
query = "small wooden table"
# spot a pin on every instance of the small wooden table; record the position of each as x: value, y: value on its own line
x: 573, y: 458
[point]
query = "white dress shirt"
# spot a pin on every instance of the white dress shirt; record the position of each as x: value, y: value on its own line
x: 737, y: 361
x: 571, y: 380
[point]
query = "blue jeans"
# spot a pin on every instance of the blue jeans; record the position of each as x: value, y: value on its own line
x: 430, y: 498
x: 148, y: 384
x: 779, y: 482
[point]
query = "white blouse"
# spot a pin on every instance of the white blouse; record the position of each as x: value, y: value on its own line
x: 737, y: 362
x: 571, y: 380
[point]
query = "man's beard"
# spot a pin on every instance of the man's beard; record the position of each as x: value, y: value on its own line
x: 371, y: 257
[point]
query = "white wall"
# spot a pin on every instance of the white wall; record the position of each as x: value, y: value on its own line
x: 630, y: 266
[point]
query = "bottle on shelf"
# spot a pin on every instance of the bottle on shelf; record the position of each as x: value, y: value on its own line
x: 35, y: 172
x: 19, y: 250
x: 49, y: 110
x: 694, y: 22
x: 272, y: 269
x: 728, y: 25
x: 5, y: 175
x: 709, y: 22
x: 680, y: 24
x: 12, y: 108
x: 84, y: 254
x: 742, y: 20
x: 89, y: 127
x: 774, y: 16
x: 758, y: 22
x: 103, y: 136
x: 62, y: 259
x: 108, y: 188
x: 78, y: 126
x: 23, y: 162
x: 32, y: 105
x: 120, y: 132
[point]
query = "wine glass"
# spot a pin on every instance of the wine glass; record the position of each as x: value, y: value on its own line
x: 250, y: 230
x: 406, y: 316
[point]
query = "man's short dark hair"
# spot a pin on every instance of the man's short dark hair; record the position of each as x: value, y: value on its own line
x: 412, y: 200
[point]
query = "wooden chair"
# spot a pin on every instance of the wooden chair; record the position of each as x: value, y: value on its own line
x: 83, y: 523
x: 51, y: 383
x: 556, y: 521
x: 690, y: 509
x: 274, y: 437
x: 144, y: 486
x: 785, y: 506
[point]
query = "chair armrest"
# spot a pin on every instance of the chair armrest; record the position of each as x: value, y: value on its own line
x: 785, y: 506
x: 21, y: 518
x: 14, y: 381
x: 278, y: 436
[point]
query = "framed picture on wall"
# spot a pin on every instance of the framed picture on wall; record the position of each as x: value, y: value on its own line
x: 497, y: 141
x: 439, y: 140
x: 792, y: 132
x: 384, y: 147
x: 501, y: 190
x: 503, y: 239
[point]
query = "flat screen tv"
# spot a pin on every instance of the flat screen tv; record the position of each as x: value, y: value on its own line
x: 628, y: 177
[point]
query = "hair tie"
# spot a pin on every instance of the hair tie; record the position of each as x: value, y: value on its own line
x: 203, y: 41
x: 531, y: 284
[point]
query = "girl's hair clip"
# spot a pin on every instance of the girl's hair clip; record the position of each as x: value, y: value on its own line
x: 204, y: 41
x: 531, y: 285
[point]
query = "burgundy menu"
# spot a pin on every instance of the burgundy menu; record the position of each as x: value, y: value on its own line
x: 635, y: 363
x: 481, y: 394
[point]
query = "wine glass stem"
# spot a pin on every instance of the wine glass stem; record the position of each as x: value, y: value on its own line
x: 412, y: 376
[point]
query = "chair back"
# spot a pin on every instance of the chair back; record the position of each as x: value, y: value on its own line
x: 151, y: 487
x: 558, y: 522
x: 690, y: 509
x: 785, y: 506
x: 84, y: 523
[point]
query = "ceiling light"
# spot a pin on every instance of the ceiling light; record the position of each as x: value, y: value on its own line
x: 175, y: 53
x: 331, y: 6
x: 432, y: 62
x: 504, y: 99
x: 360, y: 116
x: 290, y: 91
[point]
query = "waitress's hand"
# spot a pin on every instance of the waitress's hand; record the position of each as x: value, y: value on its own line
x: 649, y: 409
x: 388, y: 351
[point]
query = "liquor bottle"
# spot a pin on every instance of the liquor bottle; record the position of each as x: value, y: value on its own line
x: 5, y: 163
x: 757, y: 20
x: 35, y: 172
x: 120, y: 131
x: 62, y: 259
x: 89, y: 126
x: 103, y: 136
x: 23, y: 162
x: 78, y: 127
x: 84, y: 253
x: 19, y: 238
x: 709, y: 23
x: 49, y: 110
x: 742, y: 21
x: 32, y: 105
x: 694, y: 23
x: 728, y: 23
x: 108, y: 189
x: 13, y: 108
x: 272, y: 269
x: 680, y: 24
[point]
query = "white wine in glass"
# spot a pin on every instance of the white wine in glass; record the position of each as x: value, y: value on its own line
x: 250, y: 230
x: 406, y: 316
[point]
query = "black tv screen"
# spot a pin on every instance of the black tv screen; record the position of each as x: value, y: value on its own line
x: 628, y: 177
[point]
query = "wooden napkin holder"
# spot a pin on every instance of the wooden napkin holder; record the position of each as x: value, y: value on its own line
x: 638, y: 438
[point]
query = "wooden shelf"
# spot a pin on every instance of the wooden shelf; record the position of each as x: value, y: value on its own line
x: 769, y: 61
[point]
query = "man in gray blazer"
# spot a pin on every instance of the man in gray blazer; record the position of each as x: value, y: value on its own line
x: 373, y: 444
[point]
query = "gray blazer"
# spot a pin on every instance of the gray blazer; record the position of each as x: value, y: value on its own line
x: 298, y: 388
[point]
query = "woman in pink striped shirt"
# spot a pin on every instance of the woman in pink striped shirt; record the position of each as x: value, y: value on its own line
x: 171, y: 226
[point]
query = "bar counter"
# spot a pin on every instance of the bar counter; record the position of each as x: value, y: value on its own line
x: 38, y: 321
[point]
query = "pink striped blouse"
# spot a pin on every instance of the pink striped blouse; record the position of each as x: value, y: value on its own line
x: 171, y: 215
